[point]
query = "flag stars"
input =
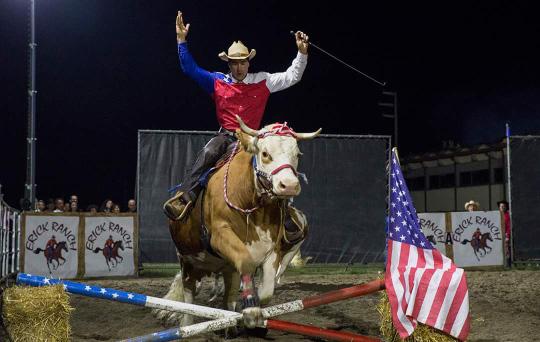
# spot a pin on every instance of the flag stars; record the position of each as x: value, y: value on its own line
x: 87, y: 288
x: 398, y: 213
x: 46, y: 281
x: 115, y: 295
x: 130, y: 296
x: 402, y: 237
x: 404, y: 223
x: 392, y: 219
x: 394, y: 190
x: 422, y: 243
x: 102, y: 291
x: 397, y: 229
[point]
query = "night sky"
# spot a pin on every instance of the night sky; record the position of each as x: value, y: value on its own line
x: 108, y: 68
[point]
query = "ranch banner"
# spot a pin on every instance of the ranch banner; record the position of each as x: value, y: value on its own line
x: 477, y: 238
x: 50, y: 245
x: 434, y: 228
x: 109, y: 246
x: 75, y: 245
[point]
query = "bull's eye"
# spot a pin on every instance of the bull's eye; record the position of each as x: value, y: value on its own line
x: 266, y: 156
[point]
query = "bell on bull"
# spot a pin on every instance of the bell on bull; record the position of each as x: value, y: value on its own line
x: 243, y: 221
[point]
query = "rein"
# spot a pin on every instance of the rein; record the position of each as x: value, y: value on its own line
x: 225, y: 178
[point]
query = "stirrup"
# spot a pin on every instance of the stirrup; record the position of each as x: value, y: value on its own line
x: 176, y: 209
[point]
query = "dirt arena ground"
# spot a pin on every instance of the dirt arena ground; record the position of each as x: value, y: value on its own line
x: 505, y: 306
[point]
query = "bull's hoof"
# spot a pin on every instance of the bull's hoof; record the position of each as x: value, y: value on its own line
x: 257, y: 332
x: 253, y: 317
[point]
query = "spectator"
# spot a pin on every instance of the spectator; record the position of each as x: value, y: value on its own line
x: 50, y: 205
x: 74, y: 207
x: 41, y: 206
x: 106, y: 206
x: 132, y: 206
x: 505, y: 211
x: 472, y: 206
x: 116, y: 208
x: 74, y: 198
x: 58, y: 205
x: 67, y: 208
x: 92, y: 209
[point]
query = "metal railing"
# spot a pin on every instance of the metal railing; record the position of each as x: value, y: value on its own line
x: 10, y: 235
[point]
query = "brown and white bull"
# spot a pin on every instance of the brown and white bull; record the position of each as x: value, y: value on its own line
x: 243, y: 209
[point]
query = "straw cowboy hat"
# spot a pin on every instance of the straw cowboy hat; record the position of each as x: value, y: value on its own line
x: 473, y: 203
x: 237, y: 50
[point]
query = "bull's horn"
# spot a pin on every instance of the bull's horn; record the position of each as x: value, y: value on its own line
x: 245, y: 128
x: 304, y: 136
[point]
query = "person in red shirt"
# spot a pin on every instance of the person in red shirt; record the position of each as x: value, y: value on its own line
x: 51, y: 244
x: 477, y: 235
x: 505, y: 210
x: 109, y: 243
x: 237, y: 93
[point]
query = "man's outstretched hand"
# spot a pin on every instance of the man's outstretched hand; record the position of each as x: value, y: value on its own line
x: 302, y: 41
x: 181, y: 29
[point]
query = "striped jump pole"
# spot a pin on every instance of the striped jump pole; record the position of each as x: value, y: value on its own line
x: 222, y: 318
x: 276, y: 310
x: 125, y: 297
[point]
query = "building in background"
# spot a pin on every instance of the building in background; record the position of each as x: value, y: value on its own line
x: 443, y: 181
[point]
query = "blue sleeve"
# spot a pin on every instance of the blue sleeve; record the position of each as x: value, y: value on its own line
x: 203, y: 77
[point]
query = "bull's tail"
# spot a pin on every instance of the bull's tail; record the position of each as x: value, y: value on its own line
x: 37, y: 251
x: 464, y: 242
x: 97, y: 250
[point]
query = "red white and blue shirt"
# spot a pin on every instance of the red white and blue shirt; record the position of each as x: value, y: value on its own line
x: 246, y: 99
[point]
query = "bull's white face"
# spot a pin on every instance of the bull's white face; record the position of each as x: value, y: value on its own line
x: 276, y: 150
x: 281, y: 154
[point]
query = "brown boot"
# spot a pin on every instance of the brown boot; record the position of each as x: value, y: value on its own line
x: 178, y: 207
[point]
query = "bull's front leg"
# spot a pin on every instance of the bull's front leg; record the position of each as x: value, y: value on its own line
x: 226, y: 243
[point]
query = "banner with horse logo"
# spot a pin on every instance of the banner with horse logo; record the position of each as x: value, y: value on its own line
x: 49, y: 245
x: 110, y: 246
x: 478, y: 238
x: 434, y: 228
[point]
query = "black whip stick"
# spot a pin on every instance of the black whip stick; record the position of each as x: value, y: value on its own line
x: 342, y: 62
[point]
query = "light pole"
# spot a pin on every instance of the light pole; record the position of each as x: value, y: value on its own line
x: 390, y: 111
x: 30, y: 186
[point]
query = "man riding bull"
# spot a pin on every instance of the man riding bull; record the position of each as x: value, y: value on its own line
x: 109, y: 244
x: 51, y: 244
x: 236, y: 93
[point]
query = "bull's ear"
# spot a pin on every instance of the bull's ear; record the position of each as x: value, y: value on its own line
x: 247, y: 141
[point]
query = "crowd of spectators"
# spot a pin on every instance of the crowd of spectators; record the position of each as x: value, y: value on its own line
x: 58, y: 205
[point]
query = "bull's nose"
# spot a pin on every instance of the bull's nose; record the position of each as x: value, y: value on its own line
x: 288, y: 187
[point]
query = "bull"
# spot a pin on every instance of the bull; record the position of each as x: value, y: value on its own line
x: 237, y: 225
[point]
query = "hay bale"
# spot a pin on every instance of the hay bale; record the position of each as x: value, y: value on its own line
x: 37, y: 313
x: 422, y: 333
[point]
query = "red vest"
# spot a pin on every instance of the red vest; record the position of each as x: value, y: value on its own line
x: 245, y: 100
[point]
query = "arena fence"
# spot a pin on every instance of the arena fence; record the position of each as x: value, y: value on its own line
x: 524, y: 189
x: 10, y: 230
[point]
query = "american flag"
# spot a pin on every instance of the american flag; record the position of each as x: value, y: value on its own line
x: 422, y: 284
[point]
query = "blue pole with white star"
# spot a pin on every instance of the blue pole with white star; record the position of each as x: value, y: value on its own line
x: 125, y: 297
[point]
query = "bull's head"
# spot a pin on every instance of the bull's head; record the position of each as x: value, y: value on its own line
x: 276, y: 154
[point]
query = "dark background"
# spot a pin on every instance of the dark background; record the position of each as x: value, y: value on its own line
x: 108, y: 68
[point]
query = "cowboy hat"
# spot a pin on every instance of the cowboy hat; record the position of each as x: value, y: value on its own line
x: 471, y: 202
x: 237, y: 50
